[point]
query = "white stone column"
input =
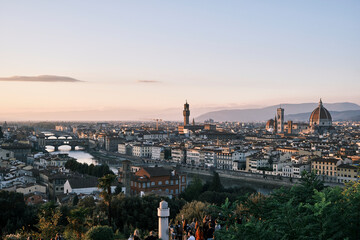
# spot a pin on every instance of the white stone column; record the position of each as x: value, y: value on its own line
x: 163, y: 214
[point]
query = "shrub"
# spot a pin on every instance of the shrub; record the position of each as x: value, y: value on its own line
x: 99, y: 233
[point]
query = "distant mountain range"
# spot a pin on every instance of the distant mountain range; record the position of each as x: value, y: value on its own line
x: 297, y: 112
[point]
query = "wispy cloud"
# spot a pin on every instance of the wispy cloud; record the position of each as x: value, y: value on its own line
x: 148, y: 81
x: 41, y: 78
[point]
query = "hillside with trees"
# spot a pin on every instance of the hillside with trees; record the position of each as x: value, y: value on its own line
x: 306, y: 211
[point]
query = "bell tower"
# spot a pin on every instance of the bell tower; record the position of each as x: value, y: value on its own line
x: 186, y: 114
x: 280, y: 120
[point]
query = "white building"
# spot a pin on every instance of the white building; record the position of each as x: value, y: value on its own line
x: 140, y: 150
x: 31, y: 188
x: 193, y: 157
x: 207, y: 157
x: 178, y: 155
x: 156, y: 152
x: 84, y: 185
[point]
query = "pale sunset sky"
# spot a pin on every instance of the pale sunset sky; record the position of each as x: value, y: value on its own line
x: 141, y: 59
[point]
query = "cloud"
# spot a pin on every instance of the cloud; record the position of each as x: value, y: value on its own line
x: 41, y: 78
x: 148, y: 81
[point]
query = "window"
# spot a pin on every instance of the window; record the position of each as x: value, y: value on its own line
x: 160, y: 182
x: 152, y: 183
x: 172, y: 182
x: 148, y: 184
x: 167, y: 182
x: 143, y: 185
x: 183, y: 179
x: 176, y: 191
x: 177, y: 182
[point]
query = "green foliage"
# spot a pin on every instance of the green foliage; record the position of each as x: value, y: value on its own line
x: 87, y: 202
x: 106, y: 194
x: 78, y: 222
x: 14, y: 213
x: 99, y: 233
x: 97, y: 171
x: 194, y: 209
x: 213, y: 192
x: 134, y: 212
x: 216, y: 185
x: 310, y: 180
x: 75, y: 200
x: 193, y: 190
x: 118, y: 189
x: 306, y: 211
x: 48, y: 223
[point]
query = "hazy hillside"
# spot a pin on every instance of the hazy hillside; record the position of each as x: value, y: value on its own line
x: 263, y: 114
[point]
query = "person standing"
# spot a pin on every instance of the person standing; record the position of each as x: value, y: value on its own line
x: 137, y: 235
x: 151, y: 236
x: 190, y: 236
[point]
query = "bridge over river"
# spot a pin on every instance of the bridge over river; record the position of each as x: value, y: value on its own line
x: 57, y: 141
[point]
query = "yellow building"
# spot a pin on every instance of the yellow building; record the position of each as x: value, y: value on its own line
x: 346, y: 173
x: 326, y: 168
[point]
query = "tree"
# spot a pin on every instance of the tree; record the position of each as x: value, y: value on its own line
x: 75, y: 200
x: 48, y: 223
x: 105, y: 184
x: 193, y: 190
x: 194, y: 209
x: 77, y: 222
x: 351, y: 194
x: 99, y: 233
x: 118, y: 189
x: 310, y: 180
x: 216, y: 185
x: 12, y: 210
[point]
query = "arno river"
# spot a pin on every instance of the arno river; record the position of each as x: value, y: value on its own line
x: 81, y: 156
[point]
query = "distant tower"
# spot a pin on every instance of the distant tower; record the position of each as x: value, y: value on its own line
x: 280, y: 120
x: 186, y: 114
x: 125, y: 176
x: 275, y: 124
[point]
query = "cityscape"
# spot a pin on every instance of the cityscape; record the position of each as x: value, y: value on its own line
x: 180, y: 121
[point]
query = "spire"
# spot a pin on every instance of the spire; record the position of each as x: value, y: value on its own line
x: 320, y: 102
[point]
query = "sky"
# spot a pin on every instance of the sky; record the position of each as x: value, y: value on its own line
x: 142, y: 59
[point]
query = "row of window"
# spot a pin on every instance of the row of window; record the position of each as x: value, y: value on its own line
x: 159, y: 183
x: 344, y: 175
x: 171, y: 190
x: 323, y: 167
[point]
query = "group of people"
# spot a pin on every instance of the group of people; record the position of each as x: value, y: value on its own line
x: 136, y: 236
x: 196, y: 230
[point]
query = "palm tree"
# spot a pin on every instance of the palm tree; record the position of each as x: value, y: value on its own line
x: 105, y: 185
